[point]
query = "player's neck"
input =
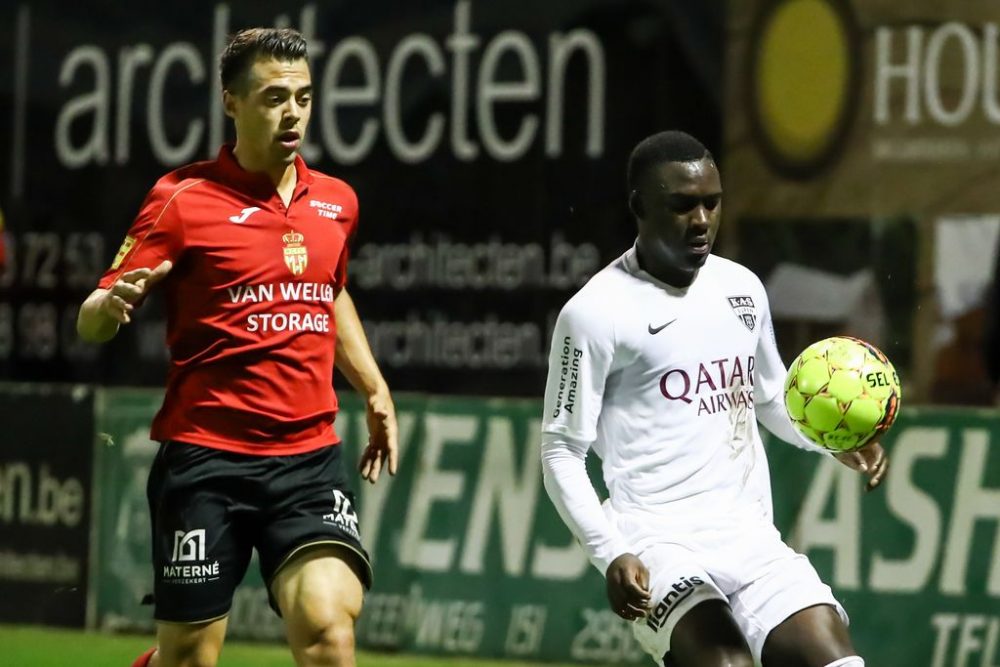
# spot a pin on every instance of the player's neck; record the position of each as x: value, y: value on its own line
x: 283, y: 175
x: 663, y: 271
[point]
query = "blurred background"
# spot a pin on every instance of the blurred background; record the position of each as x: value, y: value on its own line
x: 859, y: 144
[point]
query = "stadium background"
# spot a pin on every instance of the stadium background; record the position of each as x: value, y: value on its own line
x: 859, y: 145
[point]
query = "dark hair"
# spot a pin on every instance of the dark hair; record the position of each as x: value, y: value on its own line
x: 247, y: 45
x: 656, y: 149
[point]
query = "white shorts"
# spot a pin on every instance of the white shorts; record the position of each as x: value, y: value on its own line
x: 762, y: 579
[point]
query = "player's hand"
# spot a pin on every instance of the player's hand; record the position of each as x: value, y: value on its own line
x: 628, y: 587
x: 118, y: 302
x: 870, y: 460
x: 382, y: 450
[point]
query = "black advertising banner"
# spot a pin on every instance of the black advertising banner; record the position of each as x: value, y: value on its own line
x: 45, y: 502
x: 487, y: 142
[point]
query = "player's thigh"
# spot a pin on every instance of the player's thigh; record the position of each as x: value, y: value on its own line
x: 201, y: 546
x: 318, y: 591
x: 785, y: 585
x: 311, y: 506
x: 708, y: 636
x: 190, y: 644
x: 811, y: 637
x: 683, y: 594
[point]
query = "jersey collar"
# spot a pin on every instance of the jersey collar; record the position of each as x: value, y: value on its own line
x: 257, y: 184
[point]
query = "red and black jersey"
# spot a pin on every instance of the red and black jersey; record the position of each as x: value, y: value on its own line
x: 250, y: 318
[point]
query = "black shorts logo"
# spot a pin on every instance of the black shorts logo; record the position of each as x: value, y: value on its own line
x: 680, y: 591
x: 189, y: 546
x: 188, y: 561
x: 343, y: 515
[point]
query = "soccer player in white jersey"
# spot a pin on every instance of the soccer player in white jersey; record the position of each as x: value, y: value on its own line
x: 663, y: 363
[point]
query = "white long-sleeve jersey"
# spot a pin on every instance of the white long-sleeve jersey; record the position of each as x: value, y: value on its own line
x: 666, y: 385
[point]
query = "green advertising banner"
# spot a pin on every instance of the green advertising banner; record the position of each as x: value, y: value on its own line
x: 471, y: 558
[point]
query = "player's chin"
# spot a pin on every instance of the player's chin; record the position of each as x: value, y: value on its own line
x: 696, y: 260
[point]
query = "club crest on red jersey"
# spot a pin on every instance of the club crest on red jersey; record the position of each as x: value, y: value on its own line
x: 744, y: 309
x: 296, y: 256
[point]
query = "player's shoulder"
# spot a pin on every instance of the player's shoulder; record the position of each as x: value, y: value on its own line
x: 182, y: 179
x: 333, y: 186
x: 595, y: 301
x: 731, y: 271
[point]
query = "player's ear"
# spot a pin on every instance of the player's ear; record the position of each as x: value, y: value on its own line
x: 635, y: 204
x: 229, y: 103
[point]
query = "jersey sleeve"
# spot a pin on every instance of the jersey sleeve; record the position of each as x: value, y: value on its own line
x: 579, y: 362
x: 156, y: 235
x: 351, y: 227
x: 769, y: 386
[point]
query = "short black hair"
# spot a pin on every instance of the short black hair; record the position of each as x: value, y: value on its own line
x: 249, y: 44
x: 656, y: 149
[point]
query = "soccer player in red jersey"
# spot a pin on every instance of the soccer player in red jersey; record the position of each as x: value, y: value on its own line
x: 250, y: 250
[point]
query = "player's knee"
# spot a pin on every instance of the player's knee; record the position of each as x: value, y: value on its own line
x: 332, y: 643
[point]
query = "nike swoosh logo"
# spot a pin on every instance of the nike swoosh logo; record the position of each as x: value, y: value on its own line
x: 244, y: 214
x: 655, y: 330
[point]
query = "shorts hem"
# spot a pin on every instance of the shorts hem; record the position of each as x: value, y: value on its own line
x: 369, y: 574
x: 209, y: 619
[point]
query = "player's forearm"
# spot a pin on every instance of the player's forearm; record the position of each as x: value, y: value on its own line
x: 566, y: 481
x: 354, y: 356
x: 93, y: 324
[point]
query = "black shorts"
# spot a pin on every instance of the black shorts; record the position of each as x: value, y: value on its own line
x: 210, y: 508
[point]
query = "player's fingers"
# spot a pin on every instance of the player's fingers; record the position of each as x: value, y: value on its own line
x: 632, y: 612
x: 365, y: 465
x: 127, y: 291
x: 636, y: 594
x: 376, y: 466
x: 642, y: 577
x: 856, y: 460
x: 393, y: 455
x: 159, y: 273
x: 877, y: 456
x: 135, y: 274
x: 118, y: 309
x: 878, y: 474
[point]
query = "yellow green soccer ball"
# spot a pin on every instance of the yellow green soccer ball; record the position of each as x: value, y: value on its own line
x: 840, y: 392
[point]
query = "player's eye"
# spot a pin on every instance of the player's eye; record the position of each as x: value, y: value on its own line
x: 681, y: 204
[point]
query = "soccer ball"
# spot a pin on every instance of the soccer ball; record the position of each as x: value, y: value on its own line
x: 840, y: 392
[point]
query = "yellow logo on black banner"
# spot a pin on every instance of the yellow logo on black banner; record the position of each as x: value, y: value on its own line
x: 804, y: 77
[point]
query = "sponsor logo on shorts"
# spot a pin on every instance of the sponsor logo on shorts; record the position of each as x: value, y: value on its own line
x: 190, y: 549
x: 679, y: 592
x: 343, y: 515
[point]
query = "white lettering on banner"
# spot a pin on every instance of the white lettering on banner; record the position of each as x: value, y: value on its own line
x: 842, y: 533
x: 454, y: 626
x: 393, y: 620
x: 525, y: 630
x: 972, y: 503
x: 837, y: 486
x: 501, y: 491
x: 434, y: 485
x: 914, y: 507
x: 539, y: 82
x: 42, y: 500
x: 913, y: 59
x: 978, y: 637
x: 605, y: 638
